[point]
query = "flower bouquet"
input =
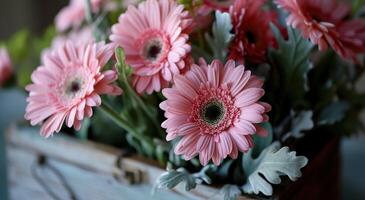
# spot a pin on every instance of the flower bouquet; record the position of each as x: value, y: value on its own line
x: 242, y: 95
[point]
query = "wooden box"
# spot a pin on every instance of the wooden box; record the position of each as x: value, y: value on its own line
x: 87, y: 170
x: 72, y: 169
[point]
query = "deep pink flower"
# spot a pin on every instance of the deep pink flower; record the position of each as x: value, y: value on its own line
x: 5, y: 66
x: 154, y: 38
x: 325, y: 23
x: 68, y: 85
x: 74, y: 14
x: 253, y: 35
x: 210, y: 5
x: 214, y: 110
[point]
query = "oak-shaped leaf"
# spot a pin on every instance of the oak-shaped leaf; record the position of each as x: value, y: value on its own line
x: 272, y: 163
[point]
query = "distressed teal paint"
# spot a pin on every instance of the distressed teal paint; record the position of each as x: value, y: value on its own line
x: 12, y: 106
x: 3, y: 179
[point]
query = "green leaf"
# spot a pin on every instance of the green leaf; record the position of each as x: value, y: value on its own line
x: 84, y: 131
x: 224, y: 168
x: 230, y: 192
x: 301, y: 121
x: 291, y: 59
x: 356, y: 6
x: 333, y: 113
x: 272, y: 163
x: 135, y: 143
x: 17, y: 43
x: 262, y: 142
x: 202, y: 175
x: 172, y: 178
x: 146, y: 114
x: 221, y: 35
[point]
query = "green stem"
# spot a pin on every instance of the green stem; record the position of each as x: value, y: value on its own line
x: 90, y: 20
x: 88, y: 12
x: 136, y: 97
x: 106, y: 109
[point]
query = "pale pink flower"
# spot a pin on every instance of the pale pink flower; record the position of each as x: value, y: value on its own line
x: 68, y: 85
x: 127, y: 3
x: 154, y: 38
x: 326, y: 23
x: 73, y: 14
x: 214, y: 110
x: 78, y: 37
x: 5, y: 66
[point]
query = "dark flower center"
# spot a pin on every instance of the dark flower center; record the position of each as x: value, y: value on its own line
x: 74, y: 87
x: 213, y: 112
x: 250, y: 37
x: 153, y: 50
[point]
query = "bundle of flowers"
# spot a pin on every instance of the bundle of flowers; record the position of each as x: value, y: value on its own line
x: 218, y: 92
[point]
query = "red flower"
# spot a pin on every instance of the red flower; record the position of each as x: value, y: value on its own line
x: 218, y: 4
x: 252, y: 31
x: 324, y: 23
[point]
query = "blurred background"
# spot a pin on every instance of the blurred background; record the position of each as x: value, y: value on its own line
x: 36, y: 15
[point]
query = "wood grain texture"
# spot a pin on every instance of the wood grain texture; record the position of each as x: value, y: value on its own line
x: 89, y: 168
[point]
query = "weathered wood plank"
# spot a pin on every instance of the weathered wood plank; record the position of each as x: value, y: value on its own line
x: 90, y: 167
x: 85, y: 184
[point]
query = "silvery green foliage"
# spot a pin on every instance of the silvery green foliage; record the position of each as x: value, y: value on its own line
x: 172, y: 178
x: 333, y: 113
x: 291, y: 60
x: 262, y: 142
x: 230, y: 192
x: 301, y: 121
x: 272, y: 163
x: 221, y: 35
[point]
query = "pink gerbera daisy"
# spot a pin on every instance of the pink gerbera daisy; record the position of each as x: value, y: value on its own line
x: 325, y: 23
x: 215, y: 110
x: 253, y: 35
x: 154, y: 38
x: 74, y: 14
x: 78, y: 37
x: 127, y: 3
x: 5, y: 66
x: 68, y: 85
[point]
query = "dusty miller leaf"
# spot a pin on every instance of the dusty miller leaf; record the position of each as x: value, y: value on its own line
x: 224, y: 168
x: 272, y: 163
x: 230, y: 192
x: 291, y: 59
x: 221, y: 35
x: 172, y: 178
x: 300, y: 122
x: 333, y: 113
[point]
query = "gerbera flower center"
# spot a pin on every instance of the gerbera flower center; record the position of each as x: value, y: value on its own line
x: 214, y: 110
x: 154, y: 46
x: 74, y: 85
x: 152, y: 49
x: 250, y: 37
